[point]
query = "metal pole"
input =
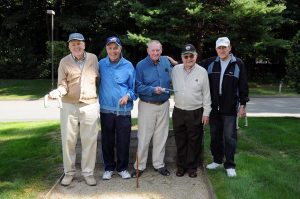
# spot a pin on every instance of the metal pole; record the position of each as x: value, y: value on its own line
x: 52, y: 13
x: 52, y: 49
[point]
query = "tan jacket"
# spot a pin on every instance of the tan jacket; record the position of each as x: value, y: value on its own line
x: 76, y: 85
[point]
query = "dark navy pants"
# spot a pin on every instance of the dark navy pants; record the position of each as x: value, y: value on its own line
x: 223, y: 139
x: 115, y: 135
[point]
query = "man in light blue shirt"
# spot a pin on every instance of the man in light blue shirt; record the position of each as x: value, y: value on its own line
x: 117, y: 80
x: 152, y: 80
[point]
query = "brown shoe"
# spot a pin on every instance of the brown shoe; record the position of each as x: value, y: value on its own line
x: 192, y: 174
x: 180, y: 172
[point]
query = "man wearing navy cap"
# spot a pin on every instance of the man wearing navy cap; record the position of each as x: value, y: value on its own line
x: 116, y: 100
x: 191, y: 110
x: 77, y: 80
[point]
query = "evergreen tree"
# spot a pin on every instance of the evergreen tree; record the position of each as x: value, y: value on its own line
x: 293, y: 60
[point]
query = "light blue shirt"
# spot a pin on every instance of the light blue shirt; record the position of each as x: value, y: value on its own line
x: 116, y: 80
x: 224, y: 65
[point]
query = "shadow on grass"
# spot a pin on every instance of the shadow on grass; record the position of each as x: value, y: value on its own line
x: 30, y: 156
x: 24, y: 89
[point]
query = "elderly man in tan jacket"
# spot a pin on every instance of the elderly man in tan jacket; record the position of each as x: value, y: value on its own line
x: 77, y: 79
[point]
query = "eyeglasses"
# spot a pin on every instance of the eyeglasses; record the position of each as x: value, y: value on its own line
x: 189, y: 56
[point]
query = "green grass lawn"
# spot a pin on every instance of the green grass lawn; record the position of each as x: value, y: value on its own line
x: 267, y: 161
x: 270, y: 89
x: 12, y: 89
x: 30, y: 156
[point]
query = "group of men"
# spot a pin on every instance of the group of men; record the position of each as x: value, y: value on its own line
x: 213, y: 94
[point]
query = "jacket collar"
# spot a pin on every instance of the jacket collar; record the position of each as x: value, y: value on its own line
x: 108, y: 62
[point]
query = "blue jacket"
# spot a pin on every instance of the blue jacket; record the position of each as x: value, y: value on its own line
x: 149, y: 76
x: 116, y: 80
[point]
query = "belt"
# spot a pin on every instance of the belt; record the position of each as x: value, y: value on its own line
x: 156, y: 103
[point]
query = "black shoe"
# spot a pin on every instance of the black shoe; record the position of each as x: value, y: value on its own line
x: 137, y: 174
x: 163, y: 171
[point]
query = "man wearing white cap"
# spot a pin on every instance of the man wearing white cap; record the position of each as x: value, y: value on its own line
x: 229, y: 95
x: 77, y: 80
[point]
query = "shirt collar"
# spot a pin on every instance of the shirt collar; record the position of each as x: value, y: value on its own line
x: 190, y: 70
x: 151, y: 61
x: 79, y: 60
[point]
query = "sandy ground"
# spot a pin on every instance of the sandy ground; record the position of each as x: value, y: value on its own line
x: 152, y: 185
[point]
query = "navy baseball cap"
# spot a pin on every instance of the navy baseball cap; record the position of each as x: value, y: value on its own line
x: 113, y: 39
x: 75, y: 36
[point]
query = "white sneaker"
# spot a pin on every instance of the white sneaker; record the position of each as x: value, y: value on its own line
x: 107, y: 175
x: 231, y: 172
x: 124, y: 174
x: 213, y: 165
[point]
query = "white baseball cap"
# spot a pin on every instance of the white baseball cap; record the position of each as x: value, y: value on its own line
x: 222, y: 41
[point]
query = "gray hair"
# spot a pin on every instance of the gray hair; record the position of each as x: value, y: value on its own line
x: 154, y: 42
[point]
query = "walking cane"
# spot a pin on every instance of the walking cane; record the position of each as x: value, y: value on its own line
x: 137, y: 170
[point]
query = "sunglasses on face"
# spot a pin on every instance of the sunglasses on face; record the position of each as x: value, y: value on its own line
x: 189, y: 56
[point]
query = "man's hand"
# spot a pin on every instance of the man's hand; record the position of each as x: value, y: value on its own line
x: 205, y: 120
x: 158, y: 90
x: 242, y: 111
x: 55, y: 94
x: 173, y: 62
x: 123, y: 100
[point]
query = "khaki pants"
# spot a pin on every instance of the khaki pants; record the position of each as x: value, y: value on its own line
x: 80, y: 119
x: 153, y: 122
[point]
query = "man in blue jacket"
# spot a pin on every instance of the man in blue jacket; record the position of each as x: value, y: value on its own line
x: 229, y: 95
x: 152, y: 78
x: 117, y: 77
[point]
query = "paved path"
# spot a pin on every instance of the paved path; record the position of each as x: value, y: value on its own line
x: 33, y: 110
x: 277, y: 107
x: 151, y: 186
